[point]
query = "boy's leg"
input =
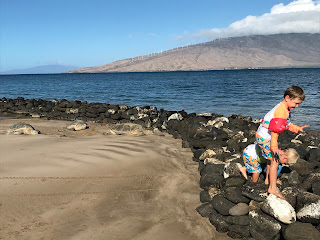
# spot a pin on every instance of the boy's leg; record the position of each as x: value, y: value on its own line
x: 243, y: 171
x: 251, y: 166
x: 266, y: 181
x: 266, y: 153
x: 273, y: 189
x: 255, y: 177
x: 278, y: 172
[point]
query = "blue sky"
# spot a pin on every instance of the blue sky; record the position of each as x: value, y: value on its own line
x: 95, y: 32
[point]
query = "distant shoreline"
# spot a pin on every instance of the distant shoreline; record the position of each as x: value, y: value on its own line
x: 205, y: 70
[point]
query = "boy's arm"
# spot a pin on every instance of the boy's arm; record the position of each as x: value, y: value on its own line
x: 296, y: 129
x: 293, y: 128
x: 274, y: 142
x: 280, y: 112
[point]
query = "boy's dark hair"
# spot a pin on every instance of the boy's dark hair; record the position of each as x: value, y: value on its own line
x: 295, y: 92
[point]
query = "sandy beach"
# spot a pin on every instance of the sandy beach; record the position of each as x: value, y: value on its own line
x: 90, y: 184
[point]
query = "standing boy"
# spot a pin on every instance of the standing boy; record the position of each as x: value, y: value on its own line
x: 268, y: 140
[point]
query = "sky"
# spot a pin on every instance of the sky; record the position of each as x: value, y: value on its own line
x: 85, y: 33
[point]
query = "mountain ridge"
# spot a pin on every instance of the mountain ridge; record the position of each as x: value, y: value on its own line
x: 43, y: 69
x: 293, y: 50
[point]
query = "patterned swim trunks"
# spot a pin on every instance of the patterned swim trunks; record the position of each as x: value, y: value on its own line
x: 252, y: 164
x: 265, y: 147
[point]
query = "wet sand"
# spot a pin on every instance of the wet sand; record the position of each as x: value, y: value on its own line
x: 89, y: 184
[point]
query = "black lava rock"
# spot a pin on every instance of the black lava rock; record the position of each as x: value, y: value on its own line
x: 221, y: 204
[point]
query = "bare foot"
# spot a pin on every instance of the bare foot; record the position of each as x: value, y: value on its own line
x: 279, y: 182
x: 266, y: 182
x: 243, y: 171
x: 277, y: 193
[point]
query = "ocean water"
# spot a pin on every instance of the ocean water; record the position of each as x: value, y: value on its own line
x: 246, y: 92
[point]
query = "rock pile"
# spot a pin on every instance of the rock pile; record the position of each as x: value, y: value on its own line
x: 232, y: 204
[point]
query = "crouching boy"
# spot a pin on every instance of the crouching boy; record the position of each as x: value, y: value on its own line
x: 252, y: 158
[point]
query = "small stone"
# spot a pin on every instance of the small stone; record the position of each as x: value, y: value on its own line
x: 176, y: 116
x: 209, y: 153
x: 255, y: 205
x: 239, y: 209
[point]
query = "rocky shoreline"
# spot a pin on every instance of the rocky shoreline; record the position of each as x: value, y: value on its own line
x: 233, y: 205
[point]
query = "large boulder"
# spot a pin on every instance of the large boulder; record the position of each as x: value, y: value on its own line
x: 293, y: 177
x: 210, y: 168
x: 237, y: 220
x: 314, y: 155
x: 221, y: 204
x: 232, y: 170
x: 255, y: 191
x: 279, y: 209
x: 298, y: 230
x: 238, y: 231
x: 216, y: 220
x: 205, y: 209
x: 310, y: 213
x: 234, y: 194
x: 211, y: 180
x: 234, y: 182
x: 205, y: 196
x: 302, y: 167
x: 263, y: 226
x: 309, y: 180
x: 305, y: 198
x: 290, y: 194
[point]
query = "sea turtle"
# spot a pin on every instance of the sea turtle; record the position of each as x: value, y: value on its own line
x: 77, y: 125
x: 22, y: 128
x: 128, y: 128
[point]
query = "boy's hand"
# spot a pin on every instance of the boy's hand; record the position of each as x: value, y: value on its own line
x: 277, y: 151
x: 300, y: 129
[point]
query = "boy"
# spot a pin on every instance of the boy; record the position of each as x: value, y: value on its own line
x: 252, y: 158
x: 268, y: 140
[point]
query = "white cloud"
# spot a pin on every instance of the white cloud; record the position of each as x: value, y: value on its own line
x: 300, y: 16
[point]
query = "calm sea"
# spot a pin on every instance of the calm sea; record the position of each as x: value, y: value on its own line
x: 247, y: 92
